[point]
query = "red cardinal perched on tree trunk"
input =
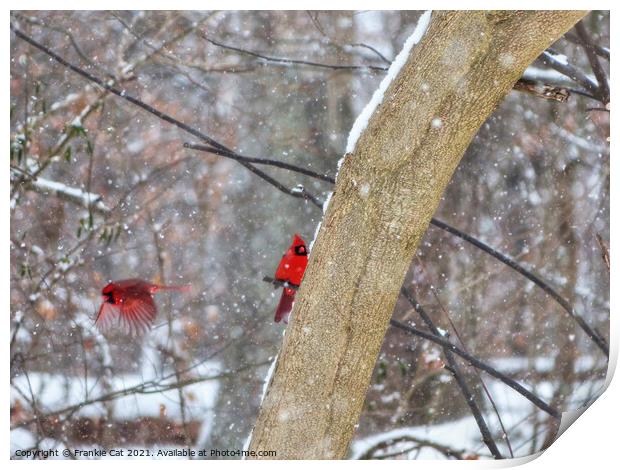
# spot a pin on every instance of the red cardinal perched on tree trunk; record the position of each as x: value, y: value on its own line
x: 130, y: 303
x: 291, y: 269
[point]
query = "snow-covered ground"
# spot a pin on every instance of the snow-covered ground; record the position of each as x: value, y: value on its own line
x: 57, y: 391
x: 463, y: 435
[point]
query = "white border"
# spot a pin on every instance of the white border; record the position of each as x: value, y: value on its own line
x: 590, y: 443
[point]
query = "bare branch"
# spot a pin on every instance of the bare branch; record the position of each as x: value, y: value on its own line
x: 600, y: 51
x: 286, y: 61
x: 419, y: 443
x: 479, y: 364
x: 317, y: 25
x: 454, y: 365
x: 35, y: 21
x: 474, y: 361
x: 598, y: 340
x: 261, y: 161
x: 597, y: 68
x: 570, y: 71
x: 460, y: 379
x: 604, y: 251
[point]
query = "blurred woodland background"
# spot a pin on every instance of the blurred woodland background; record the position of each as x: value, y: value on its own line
x: 102, y: 190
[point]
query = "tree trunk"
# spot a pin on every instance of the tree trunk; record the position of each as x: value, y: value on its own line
x: 385, y: 196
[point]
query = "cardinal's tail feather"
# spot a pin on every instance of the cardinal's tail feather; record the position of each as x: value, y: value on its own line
x: 285, y: 306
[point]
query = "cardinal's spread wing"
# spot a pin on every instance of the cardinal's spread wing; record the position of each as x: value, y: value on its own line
x: 107, y: 315
x: 137, y: 313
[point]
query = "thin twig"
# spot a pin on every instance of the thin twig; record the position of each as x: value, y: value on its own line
x: 604, y: 251
x: 282, y: 60
x: 418, y: 307
x: 317, y: 24
x: 570, y: 71
x: 600, y: 51
x: 261, y: 161
x: 595, y: 63
x: 76, y: 46
x: 474, y: 361
x: 460, y: 379
x: 598, y: 340
x: 446, y: 451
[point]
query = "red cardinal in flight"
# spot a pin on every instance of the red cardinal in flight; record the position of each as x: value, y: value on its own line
x: 291, y: 269
x: 130, y: 303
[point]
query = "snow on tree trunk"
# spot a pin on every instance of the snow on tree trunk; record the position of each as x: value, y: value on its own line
x: 385, y: 194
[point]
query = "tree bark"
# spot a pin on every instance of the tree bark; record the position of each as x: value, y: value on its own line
x: 384, y: 198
